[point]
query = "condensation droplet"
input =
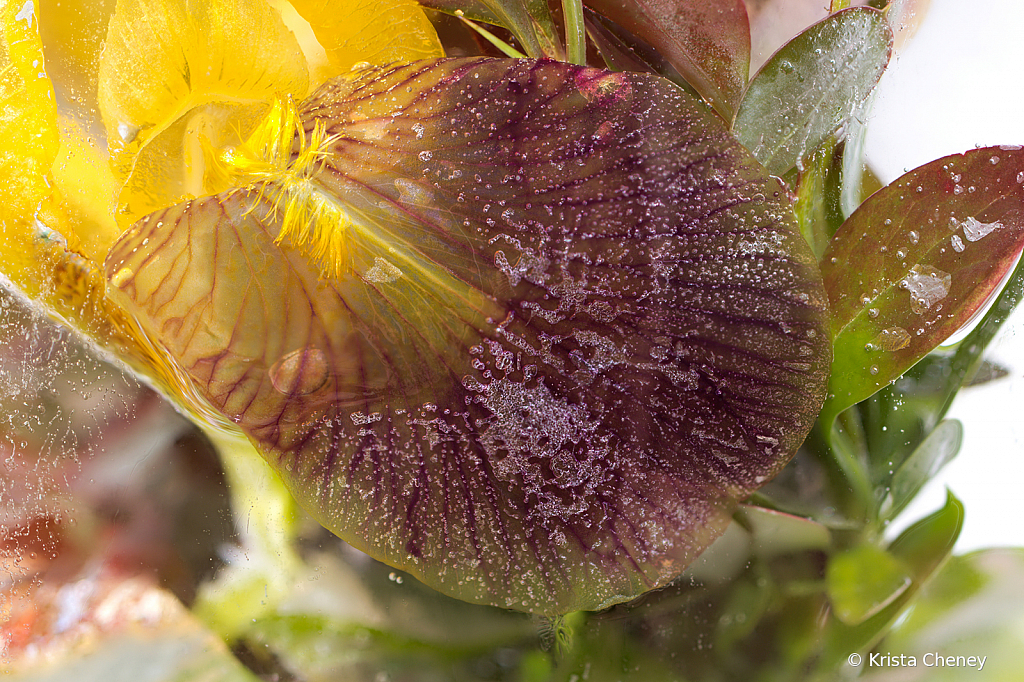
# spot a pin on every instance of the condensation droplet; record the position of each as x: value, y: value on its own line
x: 873, y: 370
x: 914, y: 237
x: 300, y: 372
x: 121, y: 276
x: 958, y: 244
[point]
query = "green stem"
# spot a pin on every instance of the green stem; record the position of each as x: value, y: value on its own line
x: 843, y: 446
x: 575, y: 34
x: 507, y: 49
x: 265, y: 519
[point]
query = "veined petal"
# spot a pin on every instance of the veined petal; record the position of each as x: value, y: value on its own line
x: 165, y: 58
x: 373, y: 31
x: 524, y: 329
x: 37, y: 247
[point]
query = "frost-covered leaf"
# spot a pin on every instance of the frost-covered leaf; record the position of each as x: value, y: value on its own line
x: 707, y: 42
x: 916, y: 262
x: 812, y: 86
x: 523, y: 329
x: 353, y: 31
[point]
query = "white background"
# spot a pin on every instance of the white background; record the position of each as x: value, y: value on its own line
x: 958, y: 84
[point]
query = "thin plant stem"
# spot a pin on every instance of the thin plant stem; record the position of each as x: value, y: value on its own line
x: 575, y: 33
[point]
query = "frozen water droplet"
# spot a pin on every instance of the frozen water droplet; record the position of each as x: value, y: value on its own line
x: 927, y: 286
x: 425, y: 155
x: 300, y: 372
x: 382, y: 272
x: 914, y: 237
x: 994, y: 160
x: 893, y: 338
x: 127, y: 132
x: 975, y: 230
x: 873, y: 312
x: 958, y: 244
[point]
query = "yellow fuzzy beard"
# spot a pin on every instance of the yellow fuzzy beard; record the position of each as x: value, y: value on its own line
x: 282, y: 175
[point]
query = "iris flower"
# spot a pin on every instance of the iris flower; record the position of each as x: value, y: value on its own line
x: 525, y: 329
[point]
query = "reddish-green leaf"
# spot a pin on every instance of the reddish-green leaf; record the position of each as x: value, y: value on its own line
x: 916, y: 261
x: 567, y: 322
x: 707, y: 42
x: 812, y: 86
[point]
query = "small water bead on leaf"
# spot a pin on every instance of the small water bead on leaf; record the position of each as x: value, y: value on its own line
x: 957, y: 243
x: 547, y: 397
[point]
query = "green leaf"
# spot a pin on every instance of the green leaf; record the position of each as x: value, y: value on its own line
x: 529, y: 21
x: 937, y: 450
x: 864, y: 580
x: 929, y: 542
x: 973, y: 607
x: 543, y: 327
x: 707, y: 43
x: 813, y: 86
x: 921, y: 550
x: 817, y: 199
x: 775, y: 533
x: 915, y: 262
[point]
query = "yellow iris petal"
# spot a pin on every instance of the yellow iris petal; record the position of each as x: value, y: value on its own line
x: 87, y: 188
x: 164, y: 60
x: 28, y: 139
x: 353, y: 31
